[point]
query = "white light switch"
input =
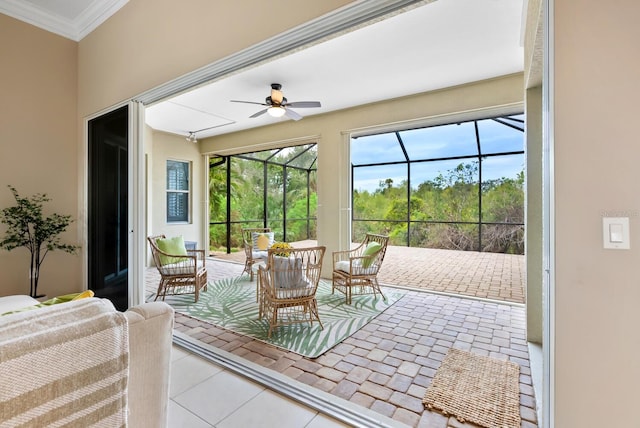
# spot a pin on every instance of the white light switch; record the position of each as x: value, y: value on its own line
x: 615, y: 233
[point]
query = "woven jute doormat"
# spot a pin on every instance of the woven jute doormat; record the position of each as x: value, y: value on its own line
x: 477, y: 389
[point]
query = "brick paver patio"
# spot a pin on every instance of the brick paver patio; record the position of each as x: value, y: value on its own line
x: 388, y: 364
x: 468, y: 273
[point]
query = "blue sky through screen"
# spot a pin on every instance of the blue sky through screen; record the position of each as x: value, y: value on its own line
x: 437, y: 142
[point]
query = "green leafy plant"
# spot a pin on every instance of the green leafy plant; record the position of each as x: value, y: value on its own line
x: 28, y: 227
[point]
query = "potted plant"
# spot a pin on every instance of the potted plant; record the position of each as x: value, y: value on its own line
x: 28, y: 227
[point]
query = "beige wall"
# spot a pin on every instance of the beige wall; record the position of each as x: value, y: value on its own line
x: 163, y: 147
x: 38, y: 141
x: 597, y: 344
x: 331, y: 131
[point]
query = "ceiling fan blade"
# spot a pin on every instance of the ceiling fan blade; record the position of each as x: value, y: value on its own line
x: 260, y: 113
x: 292, y: 114
x: 248, y: 102
x: 304, y: 104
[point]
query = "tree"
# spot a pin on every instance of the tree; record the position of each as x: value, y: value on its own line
x: 28, y: 227
x: 290, y: 168
x: 445, y: 211
x: 503, y: 202
x: 385, y: 184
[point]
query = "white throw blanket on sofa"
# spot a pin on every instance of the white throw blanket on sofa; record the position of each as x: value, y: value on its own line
x: 64, y: 365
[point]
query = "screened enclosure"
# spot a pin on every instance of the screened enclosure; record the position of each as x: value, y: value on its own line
x: 456, y: 186
x: 272, y: 188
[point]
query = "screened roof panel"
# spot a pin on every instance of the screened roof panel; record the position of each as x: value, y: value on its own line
x: 376, y: 149
x: 303, y: 157
x: 261, y: 155
x: 442, y: 141
x: 496, y: 136
x: 290, y: 156
x: 515, y: 120
x: 285, y: 153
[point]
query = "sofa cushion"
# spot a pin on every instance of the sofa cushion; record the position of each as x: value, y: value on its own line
x: 150, y: 342
x: 56, y: 300
x: 65, y: 365
x: 12, y: 303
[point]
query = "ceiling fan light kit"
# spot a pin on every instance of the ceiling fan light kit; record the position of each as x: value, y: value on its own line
x: 278, y: 106
x: 276, y: 111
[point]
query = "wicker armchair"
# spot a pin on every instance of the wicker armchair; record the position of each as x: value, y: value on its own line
x: 179, y: 274
x: 252, y: 254
x: 355, y: 271
x: 288, y: 285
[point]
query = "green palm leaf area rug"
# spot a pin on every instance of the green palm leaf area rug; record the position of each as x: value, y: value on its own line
x: 231, y: 304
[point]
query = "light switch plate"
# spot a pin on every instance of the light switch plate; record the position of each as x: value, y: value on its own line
x: 615, y: 233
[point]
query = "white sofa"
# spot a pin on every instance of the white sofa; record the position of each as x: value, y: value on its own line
x: 143, y: 332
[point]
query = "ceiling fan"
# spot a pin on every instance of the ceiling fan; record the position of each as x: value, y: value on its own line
x: 278, y: 106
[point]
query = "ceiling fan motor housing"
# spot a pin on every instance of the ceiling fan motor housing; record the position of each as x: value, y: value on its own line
x: 276, y: 97
x: 271, y: 102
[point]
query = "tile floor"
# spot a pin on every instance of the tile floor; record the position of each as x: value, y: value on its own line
x: 205, y: 395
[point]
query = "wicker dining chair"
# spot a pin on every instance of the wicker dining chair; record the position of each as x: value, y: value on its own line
x: 355, y: 271
x: 288, y: 285
x: 179, y: 273
x: 252, y: 251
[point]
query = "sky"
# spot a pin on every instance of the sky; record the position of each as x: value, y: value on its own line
x: 438, y: 142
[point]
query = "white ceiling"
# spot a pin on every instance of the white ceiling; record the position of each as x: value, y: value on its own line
x: 433, y: 46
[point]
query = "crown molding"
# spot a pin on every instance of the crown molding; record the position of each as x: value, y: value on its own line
x: 98, y: 12
x: 75, y: 29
